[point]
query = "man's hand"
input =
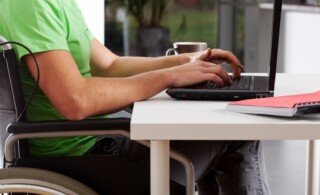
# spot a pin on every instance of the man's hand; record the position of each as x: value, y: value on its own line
x: 197, y: 72
x: 218, y: 55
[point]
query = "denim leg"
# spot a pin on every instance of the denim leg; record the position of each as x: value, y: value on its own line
x: 202, y: 154
x: 241, y: 170
x: 222, y: 167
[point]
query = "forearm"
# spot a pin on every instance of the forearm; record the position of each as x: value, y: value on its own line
x: 104, y: 63
x: 129, y: 66
x: 105, y: 95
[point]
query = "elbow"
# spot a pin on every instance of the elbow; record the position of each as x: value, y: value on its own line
x: 74, y: 115
x: 74, y: 109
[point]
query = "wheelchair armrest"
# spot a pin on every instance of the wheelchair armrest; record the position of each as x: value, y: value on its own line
x: 58, y: 126
x: 119, y: 126
x: 49, y: 129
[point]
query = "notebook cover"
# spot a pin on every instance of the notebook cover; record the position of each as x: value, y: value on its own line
x: 282, y: 101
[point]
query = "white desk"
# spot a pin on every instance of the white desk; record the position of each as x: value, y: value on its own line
x: 162, y: 119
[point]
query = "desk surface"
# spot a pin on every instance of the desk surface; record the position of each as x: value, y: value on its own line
x: 162, y: 118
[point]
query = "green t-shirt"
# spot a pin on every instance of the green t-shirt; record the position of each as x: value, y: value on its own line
x: 44, y: 25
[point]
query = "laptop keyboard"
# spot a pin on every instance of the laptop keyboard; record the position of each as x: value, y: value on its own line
x: 243, y: 83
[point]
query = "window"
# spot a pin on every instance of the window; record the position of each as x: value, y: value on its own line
x: 186, y: 20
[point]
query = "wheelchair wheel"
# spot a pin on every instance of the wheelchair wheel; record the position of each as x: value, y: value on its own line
x: 37, y: 181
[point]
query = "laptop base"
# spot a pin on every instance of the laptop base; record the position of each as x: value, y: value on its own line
x: 258, y: 89
x: 194, y: 94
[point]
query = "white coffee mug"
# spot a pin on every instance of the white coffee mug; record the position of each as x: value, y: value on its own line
x: 187, y: 47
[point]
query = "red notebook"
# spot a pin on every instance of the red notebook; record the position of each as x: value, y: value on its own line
x: 292, y: 105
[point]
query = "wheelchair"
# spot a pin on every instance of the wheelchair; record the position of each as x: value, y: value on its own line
x: 101, y: 174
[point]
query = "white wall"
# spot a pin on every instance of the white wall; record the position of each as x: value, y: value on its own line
x: 299, y: 39
x: 302, y: 42
x: 93, y: 12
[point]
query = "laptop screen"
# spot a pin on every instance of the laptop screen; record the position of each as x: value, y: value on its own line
x: 246, y: 29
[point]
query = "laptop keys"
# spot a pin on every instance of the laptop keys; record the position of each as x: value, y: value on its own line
x: 248, y: 83
x: 243, y: 83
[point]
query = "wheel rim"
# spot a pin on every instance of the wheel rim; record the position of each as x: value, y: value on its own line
x: 34, y: 185
x: 22, y: 188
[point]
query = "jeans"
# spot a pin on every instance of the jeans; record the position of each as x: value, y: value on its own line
x: 221, y: 167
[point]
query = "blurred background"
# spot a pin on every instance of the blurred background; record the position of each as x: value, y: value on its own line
x: 149, y: 27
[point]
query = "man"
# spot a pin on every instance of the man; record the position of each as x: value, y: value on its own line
x: 80, y: 78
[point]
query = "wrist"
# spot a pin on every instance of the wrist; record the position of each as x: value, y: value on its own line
x: 186, y: 58
x: 167, y: 76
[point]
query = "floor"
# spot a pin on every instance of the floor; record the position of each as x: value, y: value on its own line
x: 286, y: 166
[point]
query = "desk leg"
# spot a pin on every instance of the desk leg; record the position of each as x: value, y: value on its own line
x: 313, y: 171
x: 160, y: 164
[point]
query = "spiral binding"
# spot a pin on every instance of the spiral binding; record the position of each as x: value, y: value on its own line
x: 313, y: 103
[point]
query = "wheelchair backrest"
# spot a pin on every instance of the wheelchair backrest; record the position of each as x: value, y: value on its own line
x: 11, y: 96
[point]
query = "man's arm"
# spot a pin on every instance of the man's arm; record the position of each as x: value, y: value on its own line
x: 106, y: 64
x: 76, y: 97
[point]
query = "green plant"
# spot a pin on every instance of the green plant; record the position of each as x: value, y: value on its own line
x: 147, y: 13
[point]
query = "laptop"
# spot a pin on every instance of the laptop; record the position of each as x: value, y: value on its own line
x: 246, y: 87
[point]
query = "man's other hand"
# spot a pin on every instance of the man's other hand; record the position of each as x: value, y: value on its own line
x: 197, y: 72
x: 218, y: 55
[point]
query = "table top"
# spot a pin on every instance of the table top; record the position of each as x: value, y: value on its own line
x: 163, y: 118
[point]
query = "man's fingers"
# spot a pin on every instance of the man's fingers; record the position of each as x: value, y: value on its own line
x: 236, y: 72
x: 226, y: 56
x: 219, y: 71
x: 230, y: 82
x: 218, y: 54
x: 208, y: 64
x: 215, y: 78
x: 204, y: 55
x: 224, y: 75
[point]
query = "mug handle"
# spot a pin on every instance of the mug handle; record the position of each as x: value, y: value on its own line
x: 169, y: 52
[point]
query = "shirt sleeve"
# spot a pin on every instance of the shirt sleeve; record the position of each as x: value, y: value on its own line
x: 40, y: 26
x: 89, y: 34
